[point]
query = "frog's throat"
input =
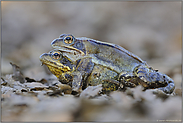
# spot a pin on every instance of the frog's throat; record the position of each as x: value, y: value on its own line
x: 69, y: 49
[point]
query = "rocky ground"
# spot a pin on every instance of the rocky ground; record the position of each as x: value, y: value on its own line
x: 26, y: 99
x: 151, y: 30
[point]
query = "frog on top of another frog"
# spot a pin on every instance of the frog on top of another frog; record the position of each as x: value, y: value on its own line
x: 129, y: 70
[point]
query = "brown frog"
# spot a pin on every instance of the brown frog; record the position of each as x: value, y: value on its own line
x: 81, y: 73
x: 130, y: 70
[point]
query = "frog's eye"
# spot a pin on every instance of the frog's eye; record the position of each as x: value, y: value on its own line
x: 68, y: 40
x: 56, y: 55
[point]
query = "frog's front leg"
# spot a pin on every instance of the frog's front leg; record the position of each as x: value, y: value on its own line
x: 74, y: 79
x: 151, y: 79
x: 84, y: 68
x: 77, y: 82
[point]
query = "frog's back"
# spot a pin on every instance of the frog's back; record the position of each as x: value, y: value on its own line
x: 116, y: 56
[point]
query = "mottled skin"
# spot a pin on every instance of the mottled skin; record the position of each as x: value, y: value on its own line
x: 130, y: 69
x: 79, y: 74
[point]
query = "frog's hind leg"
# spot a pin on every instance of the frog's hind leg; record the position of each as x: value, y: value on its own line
x: 151, y: 79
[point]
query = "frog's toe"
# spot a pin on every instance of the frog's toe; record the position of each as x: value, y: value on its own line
x: 168, y: 89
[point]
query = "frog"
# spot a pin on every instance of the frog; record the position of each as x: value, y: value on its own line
x: 81, y: 73
x: 131, y: 70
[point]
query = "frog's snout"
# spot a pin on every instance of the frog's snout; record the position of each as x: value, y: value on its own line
x: 43, y: 58
x: 55, y: 42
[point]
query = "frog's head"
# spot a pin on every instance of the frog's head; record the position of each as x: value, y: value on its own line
x: 69, y: 45
x: 56, y: 62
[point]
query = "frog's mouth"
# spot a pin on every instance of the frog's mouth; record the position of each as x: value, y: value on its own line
x: 69, y: 49
x: 53, y: 65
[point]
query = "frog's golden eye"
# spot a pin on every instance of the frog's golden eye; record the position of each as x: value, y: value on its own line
x: 56, y: 55
x: 68, y: 39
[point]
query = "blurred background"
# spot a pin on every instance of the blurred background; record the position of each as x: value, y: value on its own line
x: 151, y: 30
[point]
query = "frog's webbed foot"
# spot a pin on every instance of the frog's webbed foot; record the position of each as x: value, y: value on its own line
x: 168, y: 89
x: 151, y: 79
